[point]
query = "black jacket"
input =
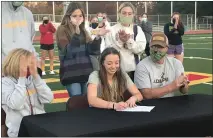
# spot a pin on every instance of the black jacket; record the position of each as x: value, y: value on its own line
x: 174, y: 35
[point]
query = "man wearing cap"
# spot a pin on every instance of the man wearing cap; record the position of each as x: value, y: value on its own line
x: 157, y: 75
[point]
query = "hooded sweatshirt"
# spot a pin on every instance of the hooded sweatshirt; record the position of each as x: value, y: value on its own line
x: 17, y: 29
x: 133, y: 46
x: 19, y: 95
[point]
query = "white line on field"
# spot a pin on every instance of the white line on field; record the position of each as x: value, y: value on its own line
x: 192, y: 38
x: 198, y: 43
x: 207, y: 83
x: 200, y: 48
x: 198, y: 58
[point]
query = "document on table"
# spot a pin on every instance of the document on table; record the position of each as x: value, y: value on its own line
x: 139, y: 109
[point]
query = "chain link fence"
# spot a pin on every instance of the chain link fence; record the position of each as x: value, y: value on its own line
x: 203, y: 23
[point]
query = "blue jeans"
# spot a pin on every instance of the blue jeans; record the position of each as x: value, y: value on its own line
x: 76, y: 89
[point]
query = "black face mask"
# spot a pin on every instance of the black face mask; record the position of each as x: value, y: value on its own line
x: 94, y: 25
x: 173, y: 20
x: 45, y: 21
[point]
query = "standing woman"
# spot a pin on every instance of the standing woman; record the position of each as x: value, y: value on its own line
x: 75, y: 44
x: 174, y: 30
x: 47, y: 43
x: 128, y: 42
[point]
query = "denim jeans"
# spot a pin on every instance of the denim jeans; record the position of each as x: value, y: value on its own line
x: 76, y: 89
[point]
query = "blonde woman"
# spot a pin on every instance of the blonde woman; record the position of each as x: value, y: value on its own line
x: 123, y: 38
x: 23, y: 91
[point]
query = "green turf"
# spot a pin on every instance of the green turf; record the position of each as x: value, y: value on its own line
x: 195, y: 46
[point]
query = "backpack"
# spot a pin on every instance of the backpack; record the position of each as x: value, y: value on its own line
x: 135, y: 30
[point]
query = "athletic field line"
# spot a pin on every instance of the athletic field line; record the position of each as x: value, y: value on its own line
x: 199, y: 48
x: 207, y: 83
x: 197, y: 43
x: 198, y: 58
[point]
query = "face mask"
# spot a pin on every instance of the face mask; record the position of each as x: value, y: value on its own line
x: 144, y: 19
x: 45, y: 21
x: 173, y: 21
x: 126, y: 20
x: 156, y: 55
x: 94, y: 25
x: 100, y: 19
x: 17, y: 3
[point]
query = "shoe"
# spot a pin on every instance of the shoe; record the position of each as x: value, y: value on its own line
x: 52, y: 72
x: 43, y: 73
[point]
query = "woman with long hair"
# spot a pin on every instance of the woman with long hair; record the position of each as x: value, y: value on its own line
x: 174, y: 30
x: 106, y: 87
x: 23, y: 91
x: 75, y: 45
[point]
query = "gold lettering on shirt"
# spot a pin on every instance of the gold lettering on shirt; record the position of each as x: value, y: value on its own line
x: 15, y: 24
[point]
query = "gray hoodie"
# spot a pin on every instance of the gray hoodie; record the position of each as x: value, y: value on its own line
x: 17, y: 94
x: 17, y: 29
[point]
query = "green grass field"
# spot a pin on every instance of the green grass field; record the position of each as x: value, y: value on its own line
x: 198, y: 58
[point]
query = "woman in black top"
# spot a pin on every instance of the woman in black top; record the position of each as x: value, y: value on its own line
x: 174, y: 31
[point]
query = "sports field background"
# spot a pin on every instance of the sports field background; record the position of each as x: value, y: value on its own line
x: 197, y: 63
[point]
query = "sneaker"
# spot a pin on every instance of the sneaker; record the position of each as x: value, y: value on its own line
x: 43, y: 73
x: 52, y: 72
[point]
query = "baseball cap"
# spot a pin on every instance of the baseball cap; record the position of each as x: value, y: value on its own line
x: 45, y: 18
x: 159, y: 39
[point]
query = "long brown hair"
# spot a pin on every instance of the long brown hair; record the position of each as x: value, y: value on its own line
x: 118, y: 76
x: 68, y: 28
x: 180, y: 24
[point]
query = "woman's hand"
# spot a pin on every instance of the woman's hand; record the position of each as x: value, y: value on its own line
x: 120, y: 106
x: 123, y: 36
x: 102, y: 31
x: 131, y: 101
x: 76, y: 23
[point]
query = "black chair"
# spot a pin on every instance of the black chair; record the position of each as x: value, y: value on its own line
x: 77, y: 102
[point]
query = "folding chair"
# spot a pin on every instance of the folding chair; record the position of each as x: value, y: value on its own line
x: 77, y: 102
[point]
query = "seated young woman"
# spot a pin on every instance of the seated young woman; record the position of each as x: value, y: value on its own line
x: 107, y: 86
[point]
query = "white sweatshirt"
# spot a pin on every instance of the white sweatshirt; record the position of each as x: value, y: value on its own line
x: 133, y: 47
x: 16, y: 103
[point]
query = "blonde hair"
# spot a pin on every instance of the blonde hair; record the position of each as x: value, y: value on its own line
x: 11, y: 65
x: 126, y: 4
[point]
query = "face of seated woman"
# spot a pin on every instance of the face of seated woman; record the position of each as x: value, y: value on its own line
x: 111, y: 64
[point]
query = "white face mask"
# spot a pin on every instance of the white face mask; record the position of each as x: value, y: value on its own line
x: 17, y: 3
x: 144, y: 19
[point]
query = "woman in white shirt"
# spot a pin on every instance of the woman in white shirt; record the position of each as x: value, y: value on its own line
x: 121, y: 37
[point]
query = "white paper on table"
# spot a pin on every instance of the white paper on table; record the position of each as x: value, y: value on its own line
x: 139, y: 109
